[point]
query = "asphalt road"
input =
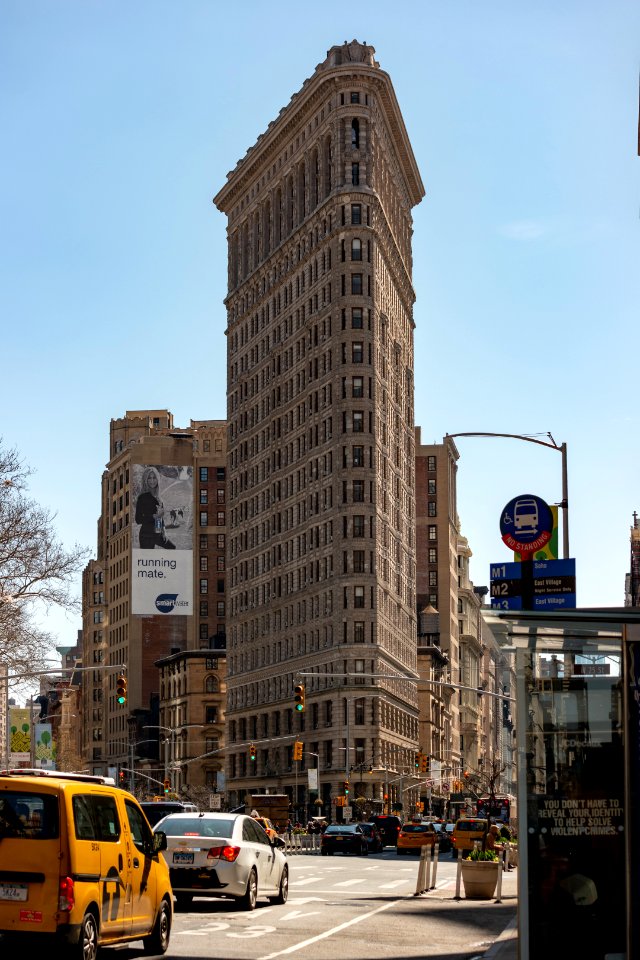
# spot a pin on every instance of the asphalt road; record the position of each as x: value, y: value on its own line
x: 345, y: 908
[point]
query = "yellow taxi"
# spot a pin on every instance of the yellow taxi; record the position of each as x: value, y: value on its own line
x: 267, y: 826
x: 414, y: 836
x: 467, y: 830
x: 79, y: 866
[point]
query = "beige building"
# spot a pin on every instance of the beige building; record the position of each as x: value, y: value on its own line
x: 465, y: 725
x: 130, y: 593
x: 320, y: 386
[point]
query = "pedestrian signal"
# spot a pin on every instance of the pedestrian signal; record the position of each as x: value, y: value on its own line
x: 298, y: 691
x: 297, y: 750
x: 166, y: 784
x: 121, y: 689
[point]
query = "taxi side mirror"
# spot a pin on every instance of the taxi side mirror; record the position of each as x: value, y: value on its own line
x: 159, y: 841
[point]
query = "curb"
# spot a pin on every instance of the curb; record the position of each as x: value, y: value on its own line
x: 506, y: 946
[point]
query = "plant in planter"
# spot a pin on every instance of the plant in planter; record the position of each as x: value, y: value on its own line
x: 480, y: 874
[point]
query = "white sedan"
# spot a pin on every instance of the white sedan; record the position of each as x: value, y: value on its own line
x: 223, y: 855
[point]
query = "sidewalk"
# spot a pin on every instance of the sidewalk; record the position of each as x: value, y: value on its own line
x: 505, y: 944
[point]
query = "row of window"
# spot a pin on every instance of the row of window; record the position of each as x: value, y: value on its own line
x: 204, y: 495
x: 220, y: 518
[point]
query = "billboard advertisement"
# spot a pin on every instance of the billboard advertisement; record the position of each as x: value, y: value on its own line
x: 19, y: 737
x: 45, y: 746
x: 162, y: 540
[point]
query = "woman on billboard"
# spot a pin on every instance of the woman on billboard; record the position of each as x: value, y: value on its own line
x: 150, y: 513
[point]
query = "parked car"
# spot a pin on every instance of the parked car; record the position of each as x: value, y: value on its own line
x: 71, y: 845
x: 223, y: 855
x: 344, y: 838
x: 389, y: 826
x: 374, y: 837
x: 414, y: 836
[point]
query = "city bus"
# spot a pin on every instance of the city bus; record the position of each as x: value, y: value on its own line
x: 501, y: 807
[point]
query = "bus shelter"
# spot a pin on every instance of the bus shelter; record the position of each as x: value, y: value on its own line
x: 578, y: 744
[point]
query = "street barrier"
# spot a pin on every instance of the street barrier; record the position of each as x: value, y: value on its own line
x: 427, y: 869
x: 300, y: 843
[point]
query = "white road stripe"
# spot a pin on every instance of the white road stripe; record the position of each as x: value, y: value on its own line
x: 330, y: 933
x: 350, y: 883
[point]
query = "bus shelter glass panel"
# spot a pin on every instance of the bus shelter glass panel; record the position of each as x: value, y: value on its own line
x: 572, y: 715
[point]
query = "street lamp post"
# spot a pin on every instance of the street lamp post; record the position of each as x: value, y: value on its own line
x: 552, y: 445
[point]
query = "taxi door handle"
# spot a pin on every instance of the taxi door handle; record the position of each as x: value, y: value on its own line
x: 136, y: 862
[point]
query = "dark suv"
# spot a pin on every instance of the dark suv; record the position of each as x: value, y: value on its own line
x: 389, y: 827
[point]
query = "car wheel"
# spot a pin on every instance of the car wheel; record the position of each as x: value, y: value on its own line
x: 183, y: 901
x: 248, y: 900
x: 283, y: 892
x: 87, y: 946
x: 158, y: 940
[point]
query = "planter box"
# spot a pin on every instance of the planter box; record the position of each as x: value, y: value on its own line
x: 480, y: 878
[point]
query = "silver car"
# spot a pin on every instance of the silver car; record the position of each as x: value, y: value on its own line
x: 223, y: 855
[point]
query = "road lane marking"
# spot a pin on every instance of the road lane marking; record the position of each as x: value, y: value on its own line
x: 350, y: 883
x: 301, y: 883
x: 330, y: 933
x: 390, y: 886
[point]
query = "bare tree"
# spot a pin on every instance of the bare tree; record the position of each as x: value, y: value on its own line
x: 36, y: 570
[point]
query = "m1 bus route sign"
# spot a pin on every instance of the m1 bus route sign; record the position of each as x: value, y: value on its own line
x: 526, y: 524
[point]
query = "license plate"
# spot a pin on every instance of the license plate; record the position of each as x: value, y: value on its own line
x: 13, y: 891
x: 180, y: 857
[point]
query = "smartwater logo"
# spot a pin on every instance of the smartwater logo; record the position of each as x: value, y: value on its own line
x: 167, y: 602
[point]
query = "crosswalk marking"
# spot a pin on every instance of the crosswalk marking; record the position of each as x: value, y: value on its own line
x: 350, y: 883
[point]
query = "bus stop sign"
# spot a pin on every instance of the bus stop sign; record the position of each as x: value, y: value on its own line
x: 526, y: 524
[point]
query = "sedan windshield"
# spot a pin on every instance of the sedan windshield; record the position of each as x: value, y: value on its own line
x: 195, y: 827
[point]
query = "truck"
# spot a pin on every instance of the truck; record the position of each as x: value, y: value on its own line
x: 275, y: 806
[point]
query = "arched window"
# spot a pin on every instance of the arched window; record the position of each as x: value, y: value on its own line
x: 356, y: 249
x: 355, y: 134
x: 211, y: 684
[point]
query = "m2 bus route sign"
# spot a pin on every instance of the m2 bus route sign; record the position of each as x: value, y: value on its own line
x: 526, y: 524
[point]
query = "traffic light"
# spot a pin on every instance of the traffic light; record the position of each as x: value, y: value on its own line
x: 417, y: 761
x: 346, y: 788
x: 166, y: 783
x: 297, y: 750
x: 298, y: 691
x: 122, y: 776
x: 252, y: 752
x: 424, y: 762
x: 121, y: 689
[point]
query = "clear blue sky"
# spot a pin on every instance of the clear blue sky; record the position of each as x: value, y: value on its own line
x: 120, y: 123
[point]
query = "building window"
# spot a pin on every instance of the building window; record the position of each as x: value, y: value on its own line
x: 358, y: 525
x: 204, y: 541
x: 356, y: 284
x: 358, y: 710
x: 357, y: 352
x: 211, y: 715
x: 220, y: 472
x: 204, y: 631
x: 220, y: 541
x: 206, y: 446
x: 204, y: 518
x: 204, y: 474
x: 358, y: 597
x: 356, y: 249
x: 220, y: 563
x: 211, y: 663
x: 204, y: 585
x: 358, y: 421
x: 220, y: 608
x: 220, y: 518
x: 211, y: 744
x: 358, y: 456
x: 433, y: 578
x: 212, y: 685
x: 431, y: 509
x: 204, y: 608
x: 220, y: 495
x: 355, y: 174
x: 97, y: 616
x: 204, y: 495
x: 433, y: 531
x: 355, y: 96
x: 357, y: 387
x: 358, y: 631
x: 431, y: 487
x: 433, y: 555
x: 356, y: 214
x: 358, y: 491
x: 431, y: 463
x: 358, y: 666
x: 356, y: 318
x: 220, y: 586
x: 204, y: 563
x: 358, y: 561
